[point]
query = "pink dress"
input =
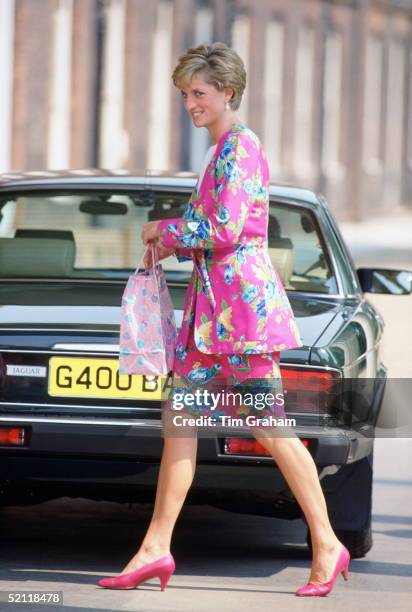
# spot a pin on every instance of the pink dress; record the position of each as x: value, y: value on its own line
x: 235, y: 293
x: 203, y: 359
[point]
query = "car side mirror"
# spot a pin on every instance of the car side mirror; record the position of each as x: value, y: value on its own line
x: 395, y: 282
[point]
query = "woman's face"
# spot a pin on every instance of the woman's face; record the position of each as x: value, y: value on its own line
x: 204, y: 103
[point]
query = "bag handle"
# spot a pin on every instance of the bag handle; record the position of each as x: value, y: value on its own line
x: 155, y: 260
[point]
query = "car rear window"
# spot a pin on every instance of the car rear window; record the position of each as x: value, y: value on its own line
x: 97, y: 235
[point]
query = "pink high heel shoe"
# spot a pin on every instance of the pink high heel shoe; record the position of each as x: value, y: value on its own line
x: 163, y: 568
x: 342, y: 565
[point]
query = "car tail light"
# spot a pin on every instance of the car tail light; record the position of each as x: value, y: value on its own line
x: 309, y: 390
x: 243, y: 446
x: 13, y: 436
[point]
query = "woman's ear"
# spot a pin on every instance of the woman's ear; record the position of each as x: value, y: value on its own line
x: 229, y: 92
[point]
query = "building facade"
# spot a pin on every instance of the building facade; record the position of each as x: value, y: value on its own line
x: 86, y: 83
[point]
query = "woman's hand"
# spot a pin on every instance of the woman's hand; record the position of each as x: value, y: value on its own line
x: 162, y: 253
x: 150, y: 232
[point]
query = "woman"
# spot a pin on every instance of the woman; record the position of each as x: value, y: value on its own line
x: 237, y: 317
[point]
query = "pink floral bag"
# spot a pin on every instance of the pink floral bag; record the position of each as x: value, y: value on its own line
x: 147, y: 323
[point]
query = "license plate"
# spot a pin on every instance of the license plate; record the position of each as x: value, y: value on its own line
x: 84, y: 377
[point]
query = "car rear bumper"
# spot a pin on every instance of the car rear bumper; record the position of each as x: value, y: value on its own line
x: 140, y: 440
x: 99, y: 459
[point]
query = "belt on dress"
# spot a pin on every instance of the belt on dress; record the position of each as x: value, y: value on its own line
x: 199, y: 263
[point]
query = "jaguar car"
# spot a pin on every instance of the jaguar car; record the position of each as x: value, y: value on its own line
x: 72, y: 425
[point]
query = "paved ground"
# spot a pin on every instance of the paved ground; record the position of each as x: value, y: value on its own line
x: 225, y: 561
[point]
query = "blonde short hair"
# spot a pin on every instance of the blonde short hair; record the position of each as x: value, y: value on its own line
x: 220, y: 65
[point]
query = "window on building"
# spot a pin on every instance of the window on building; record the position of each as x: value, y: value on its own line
x: 160, y: 92
x: 303, y: 101
x: 394, y: 121
x: 372, y: 112
x: 7, y: 18
x: 241, y: 44
x: 58, y: 146
x: 199, y: 138
x: 273, y: 95
x: 332, y: 96
x: 113, y: 138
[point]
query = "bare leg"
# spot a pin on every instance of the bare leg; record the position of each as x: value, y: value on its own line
x: 177, y: 469
x: 299, y: 470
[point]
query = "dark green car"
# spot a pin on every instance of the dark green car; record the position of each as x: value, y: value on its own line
x: 70, y: 426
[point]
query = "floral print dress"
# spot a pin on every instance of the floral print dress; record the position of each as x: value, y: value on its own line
x: 236, y: 316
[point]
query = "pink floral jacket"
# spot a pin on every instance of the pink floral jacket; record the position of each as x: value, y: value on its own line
x: 235, y: 299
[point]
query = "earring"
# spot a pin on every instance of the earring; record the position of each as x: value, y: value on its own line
x: 227, y: 106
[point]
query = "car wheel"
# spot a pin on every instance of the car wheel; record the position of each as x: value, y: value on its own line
x: 358, y: 543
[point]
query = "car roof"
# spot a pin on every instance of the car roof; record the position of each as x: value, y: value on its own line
x: 44, y: 179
